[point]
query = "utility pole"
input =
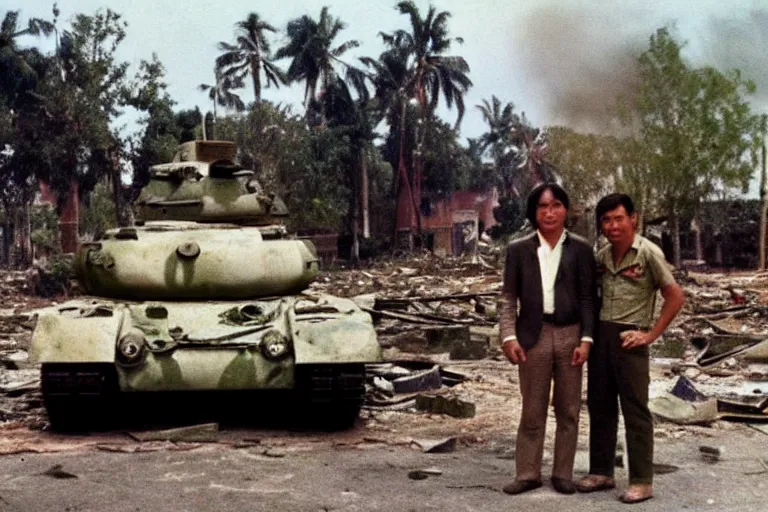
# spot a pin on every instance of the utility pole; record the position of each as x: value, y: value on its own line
x: 763, y: 194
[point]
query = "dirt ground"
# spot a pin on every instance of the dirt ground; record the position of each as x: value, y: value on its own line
x: 366, y: 468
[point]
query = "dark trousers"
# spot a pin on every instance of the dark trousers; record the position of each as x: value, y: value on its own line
x: 614, y: 373
x: 548, y: 360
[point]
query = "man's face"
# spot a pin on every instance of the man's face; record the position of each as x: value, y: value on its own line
x: 550, y: 213
x: 617, y: 225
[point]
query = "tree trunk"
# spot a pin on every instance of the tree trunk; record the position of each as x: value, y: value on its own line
x: 121, y: 216
x: 212, y: 135
x: 676, y: 259
x: 354, y: 211
x: 699, y: 247
x: 7, y: 240
x: 364, y: 196
x: 763, y: 204
x: 696, y: 228
x: 23, y: 258
x: 256, y: 75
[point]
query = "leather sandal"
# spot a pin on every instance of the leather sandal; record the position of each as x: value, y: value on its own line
x: 637, y: 493
x: 592, y: 483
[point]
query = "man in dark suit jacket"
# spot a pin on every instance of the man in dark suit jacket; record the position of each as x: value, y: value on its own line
x: 551, y: 275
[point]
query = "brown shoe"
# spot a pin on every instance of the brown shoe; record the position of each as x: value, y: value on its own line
x: 521, y: 486
x: 563, y: 485
x: 592, y: 483
x: 637, y: 493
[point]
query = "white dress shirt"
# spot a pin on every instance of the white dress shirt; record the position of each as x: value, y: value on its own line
x: 549, y: 262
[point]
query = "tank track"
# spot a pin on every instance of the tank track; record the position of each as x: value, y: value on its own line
x: 332, y: 393
x: 78, y: 396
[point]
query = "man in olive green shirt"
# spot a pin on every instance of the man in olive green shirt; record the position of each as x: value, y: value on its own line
x: 631, y: 270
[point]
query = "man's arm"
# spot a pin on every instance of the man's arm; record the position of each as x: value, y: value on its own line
x: 587, y: 292
x: 508, y: 310
x: 587, y: 295
x: 674, y: 298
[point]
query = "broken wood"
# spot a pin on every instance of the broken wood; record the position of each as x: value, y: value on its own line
x: 205, y: 433
x: 398, y: 303
x: 401, y: 316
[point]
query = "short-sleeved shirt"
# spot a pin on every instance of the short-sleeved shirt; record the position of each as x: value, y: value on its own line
x: 629, y: 290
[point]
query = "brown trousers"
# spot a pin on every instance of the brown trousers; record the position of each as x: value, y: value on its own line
x: 549, y: 359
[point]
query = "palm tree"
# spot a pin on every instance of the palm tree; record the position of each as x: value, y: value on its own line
x: 355, y: 121
x: 312, y: 52
x: 221, y: 93
x: 518, y: 149
x: 429, y: 72
x: 500, y: 121
x: 250, y: 55
x: 19, y: 69
x: 414, y: 70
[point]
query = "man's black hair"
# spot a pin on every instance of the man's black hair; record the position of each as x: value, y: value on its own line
x: 611, y: 202
x: 533, y: 199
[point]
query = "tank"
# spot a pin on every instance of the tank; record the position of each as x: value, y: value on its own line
x: 205, y: 293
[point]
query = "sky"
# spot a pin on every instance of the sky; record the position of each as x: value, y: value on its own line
x: 559, y: 62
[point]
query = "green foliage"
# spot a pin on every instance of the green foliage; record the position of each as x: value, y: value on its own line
x: 510, y: 215
x: 44, y: 228
x: 306, y: 168
x: 697, y: 128
x: 588, y: 164
x: 54, y: 277
x: 163, y: 129
x: 447, y: 165
x: 20, y: 68
x: 98, y: 213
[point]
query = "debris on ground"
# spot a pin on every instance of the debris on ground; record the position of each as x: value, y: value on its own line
x: 710, y: 453
x: 205, y: 433
x: 437, y: 322
x: 57, y: 471
x: 436, y: 446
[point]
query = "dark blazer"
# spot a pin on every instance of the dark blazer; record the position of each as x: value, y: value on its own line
x: 575, y: 289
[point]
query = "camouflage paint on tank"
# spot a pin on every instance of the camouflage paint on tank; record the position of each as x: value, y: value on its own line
x: 207, y: 345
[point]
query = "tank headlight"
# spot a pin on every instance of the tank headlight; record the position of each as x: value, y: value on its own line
x: 130, y: 348
x: 274, y: 345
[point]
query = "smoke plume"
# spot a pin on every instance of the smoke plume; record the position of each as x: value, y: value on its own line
x: 742, y: 43
x: 581, y: 61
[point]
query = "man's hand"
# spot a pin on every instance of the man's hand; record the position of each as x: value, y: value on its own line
x: 514, y: 352
x: 633, y: 339
x: 581, y: 353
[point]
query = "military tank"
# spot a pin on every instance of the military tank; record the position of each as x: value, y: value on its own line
x: 205, y: 293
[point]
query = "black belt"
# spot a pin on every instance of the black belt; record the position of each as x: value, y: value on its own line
x: 548, y: 318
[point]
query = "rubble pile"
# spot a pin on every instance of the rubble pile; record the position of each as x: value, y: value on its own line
x: 723, y: 370
x: 437, y: 320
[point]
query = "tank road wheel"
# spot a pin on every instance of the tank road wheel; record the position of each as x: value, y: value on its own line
x: 332, y: 394
x: 79, y: 396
